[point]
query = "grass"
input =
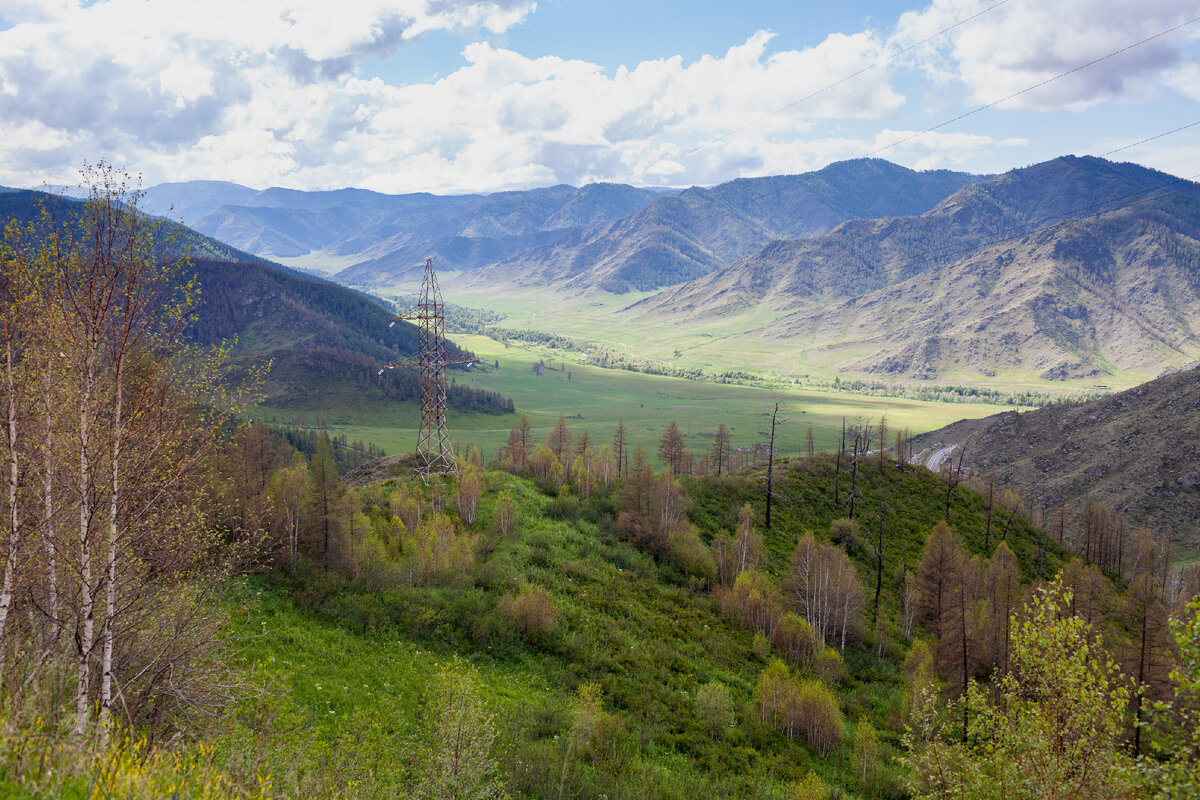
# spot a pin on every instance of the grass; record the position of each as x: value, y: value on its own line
x: 595, y: 399
x: 726, y: 342
x: 352, y: 662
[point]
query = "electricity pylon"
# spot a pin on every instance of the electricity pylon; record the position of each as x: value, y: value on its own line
x: 435, y: 454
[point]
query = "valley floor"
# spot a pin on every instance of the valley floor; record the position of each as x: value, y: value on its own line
x: 596, y: 399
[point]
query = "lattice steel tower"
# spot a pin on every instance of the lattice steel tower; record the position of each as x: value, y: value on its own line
x: 435, y: 453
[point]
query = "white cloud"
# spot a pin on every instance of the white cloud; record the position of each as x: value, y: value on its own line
x: 269, y: 92
x: 1023, y: 42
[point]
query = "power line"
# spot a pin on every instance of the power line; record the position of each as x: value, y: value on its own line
x: 1037, y: 85
x: 1149, y: 139
x: 810, y: 175
x: 835, y: 84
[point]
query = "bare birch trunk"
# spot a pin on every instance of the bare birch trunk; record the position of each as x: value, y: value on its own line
x: 87, y: 601
x: 48, y: 528
x: 110, y: 569
x: 14, y: 520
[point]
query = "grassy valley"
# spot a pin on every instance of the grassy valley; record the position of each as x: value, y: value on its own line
x: 224, y: 615
x: 596, y: 399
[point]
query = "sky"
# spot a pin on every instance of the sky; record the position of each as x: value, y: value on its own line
x: 450, y: 96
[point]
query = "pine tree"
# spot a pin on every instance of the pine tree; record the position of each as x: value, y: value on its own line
x: 325, y: 496
x: 620, y: 449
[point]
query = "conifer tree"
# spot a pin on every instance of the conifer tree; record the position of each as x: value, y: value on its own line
x: 325, y: 496
x: 620, y: 449
x: 559, y: 440
x: 720, y: 449
x: 671, y: 447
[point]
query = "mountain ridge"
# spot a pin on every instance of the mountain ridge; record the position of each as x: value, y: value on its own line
x: 693, y: 233
x: 1134, y: 450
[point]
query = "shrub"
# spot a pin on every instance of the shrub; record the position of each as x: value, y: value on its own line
x: 466, y: 496
x: 808, y: 709
x: 811, y: 788
x: 753, y: 601
x: 437, y: 550
x: 761, y: 645
x: 817, y: 715
x: 795, y: 639
x: 505, y: 514
x: 458, y: 736
x: 531, y: 613
x: 828, y: 665
x: 689, y: 554
x: 845, y: 533
x: 564, y: 507
x: 714, y: 708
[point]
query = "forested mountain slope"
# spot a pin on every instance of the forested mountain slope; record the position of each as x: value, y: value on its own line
x: 325, y: 342
x: 1137, y: 451
x: 385, y: 237
x: 26, y: 206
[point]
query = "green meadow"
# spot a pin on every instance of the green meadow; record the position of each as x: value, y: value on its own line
x: 596, y: 399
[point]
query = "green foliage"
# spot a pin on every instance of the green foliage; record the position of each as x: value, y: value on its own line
x: 1052, y: 727
x: 1174, y: 769
x: 41, y: 758
x: 632, y: 682
x: 866, y: 753
x: 457, y: 761
x: 714, y: 708
x: 810, y: 788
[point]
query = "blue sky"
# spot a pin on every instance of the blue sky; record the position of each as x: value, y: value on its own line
x: 460, y: 96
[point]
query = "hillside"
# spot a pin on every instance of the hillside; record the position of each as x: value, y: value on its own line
x: 1040, y: 273
x: 1138, y: 451
x: 25, y: 206
x: 325, y: 342
x: 560, y: 607
x: 681, y: 237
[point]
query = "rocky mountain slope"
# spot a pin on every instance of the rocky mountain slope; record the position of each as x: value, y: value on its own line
x: 1138, y: 451
x: 680, y: 237
x: 1074, y: 268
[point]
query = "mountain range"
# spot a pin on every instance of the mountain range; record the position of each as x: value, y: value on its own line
x: 613, y: 236
x: 1075, y: 268
x: 385, y: 238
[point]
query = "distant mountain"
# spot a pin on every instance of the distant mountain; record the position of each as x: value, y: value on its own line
x: 190, y: 201
x: 1138, y: 451
x: 1029, y: 272
x: 680, y: 237
x: 1114, y: 294
x: 387, y: 237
